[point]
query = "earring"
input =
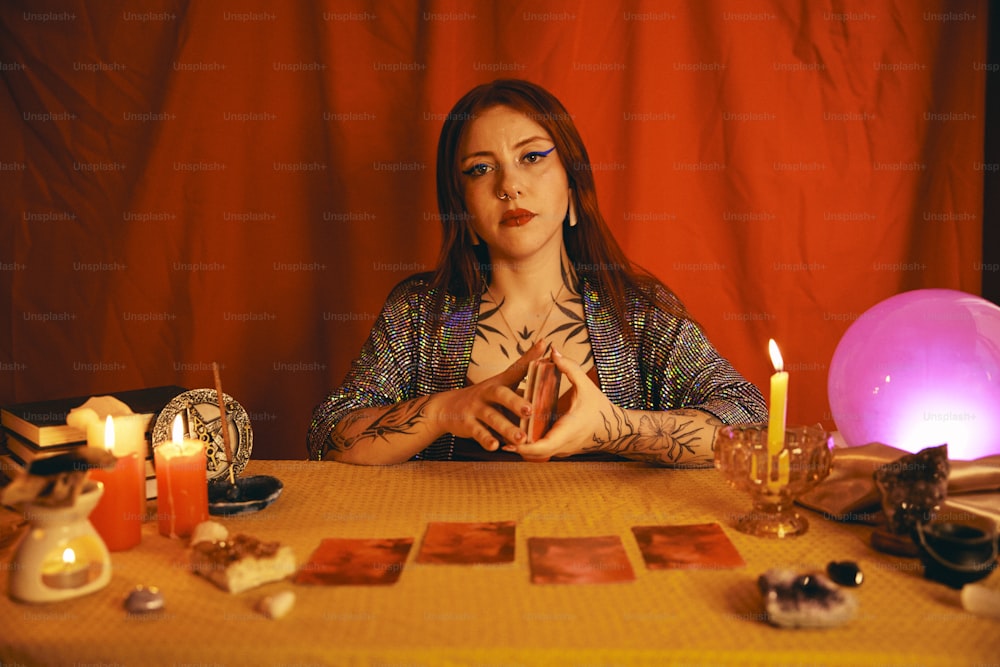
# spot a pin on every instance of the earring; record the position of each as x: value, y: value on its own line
x: 571, y: 214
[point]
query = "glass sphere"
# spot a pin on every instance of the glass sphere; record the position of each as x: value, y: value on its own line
x: 921, y: 369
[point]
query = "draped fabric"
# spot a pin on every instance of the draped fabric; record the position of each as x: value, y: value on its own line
x: 244, y: 182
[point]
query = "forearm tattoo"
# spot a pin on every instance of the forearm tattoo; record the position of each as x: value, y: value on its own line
x: 400, y: 419
x: 665, y: 438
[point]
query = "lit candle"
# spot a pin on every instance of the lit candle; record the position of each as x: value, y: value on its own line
x: 130, y: 438
x: 776, y: 417
x: 66, y: 573
x: 181, y: 483
x: 119, y: 513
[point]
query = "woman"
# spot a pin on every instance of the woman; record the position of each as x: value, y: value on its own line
x: 528, y: 265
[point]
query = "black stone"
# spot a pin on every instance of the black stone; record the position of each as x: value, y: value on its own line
x: 845, y: 573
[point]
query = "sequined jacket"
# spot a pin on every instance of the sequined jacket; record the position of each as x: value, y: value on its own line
x: 668, y: 365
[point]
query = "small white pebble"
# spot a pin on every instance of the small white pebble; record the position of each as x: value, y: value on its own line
x: 209, y: 531
x: 277, y: 605
x: 978, y: 599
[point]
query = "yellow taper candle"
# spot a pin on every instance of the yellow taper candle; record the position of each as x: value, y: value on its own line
x: 777, y: 413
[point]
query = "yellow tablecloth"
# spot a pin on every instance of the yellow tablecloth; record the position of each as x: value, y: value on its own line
x: 461, y: 614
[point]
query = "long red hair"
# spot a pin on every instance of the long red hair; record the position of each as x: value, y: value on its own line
x: 463, y: 268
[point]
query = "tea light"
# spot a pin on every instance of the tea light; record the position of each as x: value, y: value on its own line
x: 118, y: 516
x: 181, y: 483
x: 68, y: 574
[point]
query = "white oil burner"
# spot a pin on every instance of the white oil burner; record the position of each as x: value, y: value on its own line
x: 62, y: 556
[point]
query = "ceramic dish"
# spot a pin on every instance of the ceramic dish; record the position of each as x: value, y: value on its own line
x: 254, y: 494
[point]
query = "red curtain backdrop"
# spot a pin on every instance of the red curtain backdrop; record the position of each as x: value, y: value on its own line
x: 243, y: 182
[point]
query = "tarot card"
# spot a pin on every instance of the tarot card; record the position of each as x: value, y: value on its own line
x: 468, y: 543
x: 364, y: 562
x: 578, y: 560
x: 695, y: 546
x: 542, y: 391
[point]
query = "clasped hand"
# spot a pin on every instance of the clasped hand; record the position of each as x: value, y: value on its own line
x: 489, y: 411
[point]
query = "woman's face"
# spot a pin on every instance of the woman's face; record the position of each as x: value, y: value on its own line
x: 503, y: 153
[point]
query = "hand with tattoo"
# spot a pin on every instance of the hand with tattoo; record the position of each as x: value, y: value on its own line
x: 573, y: 431
x: 682, y: 437
x: 488, y: 411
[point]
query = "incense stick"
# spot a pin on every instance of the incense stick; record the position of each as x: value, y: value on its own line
x: 224, y: 424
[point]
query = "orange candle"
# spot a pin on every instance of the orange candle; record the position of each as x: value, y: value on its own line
x: 181, y: 484
x: 118, y: 515
x: 129, y: 438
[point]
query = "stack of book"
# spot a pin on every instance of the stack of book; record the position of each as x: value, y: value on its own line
x: 35, y: 430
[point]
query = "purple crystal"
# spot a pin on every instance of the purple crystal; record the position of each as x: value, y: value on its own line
x: 810, y: 600
x: 913, y: 488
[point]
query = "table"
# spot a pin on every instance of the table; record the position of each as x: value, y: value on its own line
x: 492, y: 614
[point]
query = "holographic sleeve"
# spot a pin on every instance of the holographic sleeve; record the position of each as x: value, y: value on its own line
x: 382, y: 374
x: 688, y: 372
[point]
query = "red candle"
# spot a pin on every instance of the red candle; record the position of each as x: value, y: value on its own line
x: 118, y: 515
x: 181, y: 484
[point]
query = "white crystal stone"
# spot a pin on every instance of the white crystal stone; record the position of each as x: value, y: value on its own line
x: 277, y: 605
x: 209, y: 531
x: 979, y: 599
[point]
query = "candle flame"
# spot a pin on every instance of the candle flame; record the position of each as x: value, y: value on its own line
x: 68, y: 556
x: 109, y: 434
x: 178, y: 431
x: 775, y: 356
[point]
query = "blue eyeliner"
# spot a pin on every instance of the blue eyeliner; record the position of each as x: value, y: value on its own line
x: 473, y: 168
x: 542, y: 153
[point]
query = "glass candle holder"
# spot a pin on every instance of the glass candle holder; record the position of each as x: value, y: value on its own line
x: 774, y: 479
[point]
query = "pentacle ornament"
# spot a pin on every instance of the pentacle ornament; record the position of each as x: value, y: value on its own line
x: 199, y: 411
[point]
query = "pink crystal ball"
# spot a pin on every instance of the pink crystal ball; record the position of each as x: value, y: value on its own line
x: 921, y: 369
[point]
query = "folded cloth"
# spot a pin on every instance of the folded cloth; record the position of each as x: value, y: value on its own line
x: 849, y: 493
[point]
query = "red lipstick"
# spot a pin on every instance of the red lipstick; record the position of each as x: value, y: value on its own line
x: 516, y: 218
